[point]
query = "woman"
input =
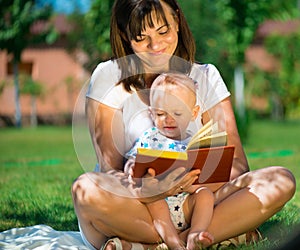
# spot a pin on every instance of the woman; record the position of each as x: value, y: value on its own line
x: 147, y: 37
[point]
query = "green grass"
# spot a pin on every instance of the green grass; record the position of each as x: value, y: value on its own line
x: 275, y: 144
x: 38, y: 166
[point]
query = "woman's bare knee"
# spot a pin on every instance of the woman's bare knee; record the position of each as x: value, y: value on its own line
x: 83, y: 190
x: 290, y: 183
x: 274, y: 186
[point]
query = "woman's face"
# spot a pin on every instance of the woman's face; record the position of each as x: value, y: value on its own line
x: 157, y: 44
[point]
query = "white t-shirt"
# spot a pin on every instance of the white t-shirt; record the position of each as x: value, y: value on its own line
x: 211, y: 90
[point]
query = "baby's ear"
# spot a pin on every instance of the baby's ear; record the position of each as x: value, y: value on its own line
x: 195, y: 112
x: 150, y: 112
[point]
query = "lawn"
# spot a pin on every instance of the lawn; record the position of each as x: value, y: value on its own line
x: 270, y: 144
x: 38, y: 166
x: 275, y: 144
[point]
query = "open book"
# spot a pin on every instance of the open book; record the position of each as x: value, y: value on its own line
x: 207, y: 151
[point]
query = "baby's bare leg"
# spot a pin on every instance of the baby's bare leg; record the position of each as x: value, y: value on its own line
x: 199, y: 210
x: 246, y: 202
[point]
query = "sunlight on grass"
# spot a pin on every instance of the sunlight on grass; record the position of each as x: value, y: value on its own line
x: 38, y: 166
x: 275, y: 144
x: 37, y: 169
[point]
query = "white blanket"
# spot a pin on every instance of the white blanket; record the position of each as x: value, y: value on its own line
x: 40, y: 237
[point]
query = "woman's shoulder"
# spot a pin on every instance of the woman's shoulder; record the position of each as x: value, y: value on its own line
x: 205, y: 72
x: 204, y: 67
x: 104, y: 85
x: 106, y: 67
x: 211, y: 88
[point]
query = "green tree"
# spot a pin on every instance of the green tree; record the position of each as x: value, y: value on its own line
x: 242, y: 19
x: 285, y: 87
x: 224, y: 29
x: 207, y: 29
x: 92, y: 32
x: 34, y: 89
x: 72, y: 86
x: 16, y: 20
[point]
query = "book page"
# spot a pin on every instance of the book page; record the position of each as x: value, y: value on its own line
x: 214, y: 140
x: 206, y: 131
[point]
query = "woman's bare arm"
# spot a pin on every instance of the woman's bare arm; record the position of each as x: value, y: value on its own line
x: 223, y: 113
x: 107, y: 132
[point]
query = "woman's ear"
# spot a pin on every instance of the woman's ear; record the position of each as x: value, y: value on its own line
x: 195, y: 112
x: 176, y: 19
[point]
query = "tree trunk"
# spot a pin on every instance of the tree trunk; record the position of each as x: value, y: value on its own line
x: 277, y: 108
x: 18, y: 115
x: 33, y: 115
x: 239, y: 91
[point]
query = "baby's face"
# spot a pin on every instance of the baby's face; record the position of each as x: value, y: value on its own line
x: 172, y: 112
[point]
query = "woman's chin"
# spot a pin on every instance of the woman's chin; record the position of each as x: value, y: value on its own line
x: 155, y: 62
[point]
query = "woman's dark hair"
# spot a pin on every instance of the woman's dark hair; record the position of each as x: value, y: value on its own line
x: 129, y: 18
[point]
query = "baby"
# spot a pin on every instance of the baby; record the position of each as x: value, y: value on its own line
x: 172, y: 107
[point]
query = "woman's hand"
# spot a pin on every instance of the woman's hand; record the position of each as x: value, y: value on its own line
x: 185, y: 183
x: 129, y: 169
x: 171, y: 183
x: 150, y: 188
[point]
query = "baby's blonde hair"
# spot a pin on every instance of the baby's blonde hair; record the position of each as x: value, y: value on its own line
x: 167, y: 80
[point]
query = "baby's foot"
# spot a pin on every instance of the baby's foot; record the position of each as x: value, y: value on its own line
x: 199, y: 240
x: 116, y: 243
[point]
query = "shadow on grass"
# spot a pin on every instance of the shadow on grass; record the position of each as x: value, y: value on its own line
x: 282, y: 227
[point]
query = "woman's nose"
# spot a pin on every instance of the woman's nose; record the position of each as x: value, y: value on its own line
x: 154, y: 42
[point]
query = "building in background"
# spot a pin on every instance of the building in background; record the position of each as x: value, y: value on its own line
x: 60, y: 72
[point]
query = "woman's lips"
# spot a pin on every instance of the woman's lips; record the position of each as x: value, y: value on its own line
x: 157, y: 53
